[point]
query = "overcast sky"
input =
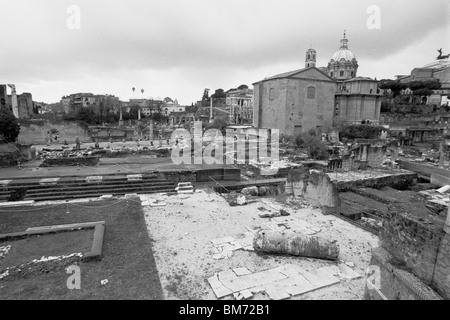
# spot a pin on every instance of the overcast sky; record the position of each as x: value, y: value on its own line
x: 177, y: 48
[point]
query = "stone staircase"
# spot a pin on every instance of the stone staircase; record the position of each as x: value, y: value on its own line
x: 184, y: 188
x: 86, y: 187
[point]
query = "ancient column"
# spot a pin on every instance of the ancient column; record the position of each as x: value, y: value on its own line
x: 14, y: 103
x: 151, y: 131
x: 441, y: 153
x: 211, y: 111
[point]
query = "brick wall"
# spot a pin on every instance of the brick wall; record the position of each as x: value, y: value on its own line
x: 395, y: 283
x: 179, y: 176
x: 414, y: 241
x: 441, y: 279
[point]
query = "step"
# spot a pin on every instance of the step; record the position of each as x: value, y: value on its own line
x: 99, y: 190
x: 185, y: 191
x: 99, y: 186
x: 79, y: 182
x: 65, y: 180
x: 94, y: 195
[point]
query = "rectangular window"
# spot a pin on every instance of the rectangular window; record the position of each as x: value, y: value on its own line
x: 341, y: 73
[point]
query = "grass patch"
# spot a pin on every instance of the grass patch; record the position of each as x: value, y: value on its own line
x: 127, y: 261
x: 37, y: 246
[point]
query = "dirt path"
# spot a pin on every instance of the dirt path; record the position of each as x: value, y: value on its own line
x: 183, y: 229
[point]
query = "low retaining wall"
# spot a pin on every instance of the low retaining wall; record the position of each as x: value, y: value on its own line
x: 219, y: 174
x: 439, y: 180
x: 84, y: 161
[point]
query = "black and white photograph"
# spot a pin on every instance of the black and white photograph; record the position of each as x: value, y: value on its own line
x: 231, y: 157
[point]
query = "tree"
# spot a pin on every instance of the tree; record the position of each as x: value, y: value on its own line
x: 9, y: 126
x: 132, y: 114
x: 158, y: 117
x: 219, y: 123
x: 219, y: 94
x: 395, y: 86
x: 385, y: 106
x: 205, y: 95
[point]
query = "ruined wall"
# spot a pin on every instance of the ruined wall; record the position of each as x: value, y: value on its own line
x: 316, y: 187
x: 396, y: 181
x: 37, y: 131
x: 179, y: 176
x: 394, y: 282
x: 415, y: 241
x: 441, y: 278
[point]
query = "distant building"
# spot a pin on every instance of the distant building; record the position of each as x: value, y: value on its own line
x: 182, y: 118
x: 21, y: 105
x: 170, y: 107
x: 436, y: 70
x: 26, y: 105
x: 240, y: 105
x: 78, y: 101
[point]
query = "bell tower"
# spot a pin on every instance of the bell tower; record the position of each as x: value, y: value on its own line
x: 310, y: 60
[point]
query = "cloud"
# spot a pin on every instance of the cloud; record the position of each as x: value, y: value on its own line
x: 211, y: 39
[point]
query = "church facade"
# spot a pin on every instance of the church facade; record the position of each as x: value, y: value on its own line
x: 317, y: 98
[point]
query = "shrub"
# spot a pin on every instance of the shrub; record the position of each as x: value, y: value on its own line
x: 360, y: 131
x: 315, y: 147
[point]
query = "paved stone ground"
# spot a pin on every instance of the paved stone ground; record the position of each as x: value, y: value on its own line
x: 183, y: 228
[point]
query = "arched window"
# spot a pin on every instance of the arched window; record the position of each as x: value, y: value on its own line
x: 311, y: 93
x: 271, y: 94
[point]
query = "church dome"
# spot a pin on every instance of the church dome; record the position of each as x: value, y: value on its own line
x: 343, y: 64
x: 345, y: 54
